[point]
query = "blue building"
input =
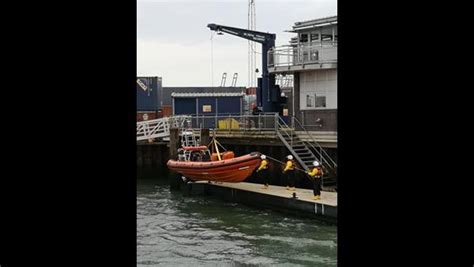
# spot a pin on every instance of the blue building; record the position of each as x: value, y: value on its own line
x: 207, y: 104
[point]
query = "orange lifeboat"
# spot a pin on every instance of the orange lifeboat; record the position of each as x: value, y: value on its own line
x: 229, y: 169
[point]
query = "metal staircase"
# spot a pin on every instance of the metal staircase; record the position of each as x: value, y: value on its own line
x: 159, y: 128
x: 305, y: 152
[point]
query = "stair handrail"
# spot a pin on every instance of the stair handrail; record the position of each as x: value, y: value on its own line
x: 279, y: 130
x: 326, y: 155
x: 281, y: 124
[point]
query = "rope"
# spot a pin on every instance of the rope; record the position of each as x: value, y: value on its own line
x: 307, y: 176
x: 274, y: 159
x: 212, y: 141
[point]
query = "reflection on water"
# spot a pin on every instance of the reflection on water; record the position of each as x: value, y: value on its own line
x: 174, y: 230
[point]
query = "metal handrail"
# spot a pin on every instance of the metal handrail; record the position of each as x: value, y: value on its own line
x: 281, y: 129
x: 302, y: 54
x: 260, y: 122
x: 319, y: 146
x: 282, y: 125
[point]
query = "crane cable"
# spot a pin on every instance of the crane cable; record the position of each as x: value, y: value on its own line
x: 212, y: 59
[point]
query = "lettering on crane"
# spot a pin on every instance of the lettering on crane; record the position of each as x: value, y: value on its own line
x: 142, y: 85
x: 254, y: 36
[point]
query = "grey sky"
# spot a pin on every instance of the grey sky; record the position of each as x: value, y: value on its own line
x: 173, y: 41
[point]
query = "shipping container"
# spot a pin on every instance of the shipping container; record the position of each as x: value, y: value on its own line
x: 167, y: 110
x: 251, y: 91
x: 149, y: 92
x: 250, y: 101
x: 148, y: 115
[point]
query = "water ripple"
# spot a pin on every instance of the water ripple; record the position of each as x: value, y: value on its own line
x: 173, y: 230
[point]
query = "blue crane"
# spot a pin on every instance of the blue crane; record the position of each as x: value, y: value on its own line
x: 268, y: 94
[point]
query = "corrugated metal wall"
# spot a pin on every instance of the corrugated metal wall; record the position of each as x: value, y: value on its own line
x: 229, y: 105
x: 184, y: 106
x: 210, y: 102
x: 149, y: 100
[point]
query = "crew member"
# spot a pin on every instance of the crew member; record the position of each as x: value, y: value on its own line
x: 181, y: 156
x: 289, y: 170
x: 262, y: 173
x: 255, y: 112
x: 316, y: 175
x: 206, y: 156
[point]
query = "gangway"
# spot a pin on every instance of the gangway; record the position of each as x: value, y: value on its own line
x: 159, y: 128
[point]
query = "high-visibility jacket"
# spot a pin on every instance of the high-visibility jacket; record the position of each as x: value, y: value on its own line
x: 263, y: 165
x: 316, y: 172
x: 290, y: 166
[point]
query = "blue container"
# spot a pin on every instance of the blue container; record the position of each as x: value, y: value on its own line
x: 148, y: 93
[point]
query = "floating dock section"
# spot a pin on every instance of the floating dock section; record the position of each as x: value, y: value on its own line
x: 275, y: 197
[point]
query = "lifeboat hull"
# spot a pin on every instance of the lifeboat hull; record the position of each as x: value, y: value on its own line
x: 233, y: 170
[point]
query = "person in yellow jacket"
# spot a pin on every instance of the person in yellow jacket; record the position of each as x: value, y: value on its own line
x: 316, y: 174
x: 289, y: 170
x: 262, y: 171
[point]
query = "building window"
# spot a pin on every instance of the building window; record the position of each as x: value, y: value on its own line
x: 320, y: 101
x: 326, y: 37
x: 309, y: 101
x: 318, y: 90
x: 304, y: 38
x: 315, y: 101
x: 314, y: 54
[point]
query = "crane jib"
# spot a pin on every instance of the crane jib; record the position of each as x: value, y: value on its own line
x: 254, y: 36
x: 268, y: 94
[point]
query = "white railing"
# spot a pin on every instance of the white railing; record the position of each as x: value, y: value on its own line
x: 284, y: 81
x: 302, y: 54
x: 159, y: 128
